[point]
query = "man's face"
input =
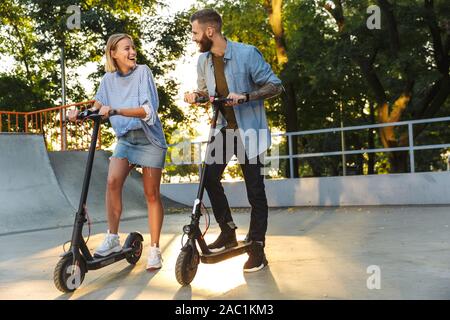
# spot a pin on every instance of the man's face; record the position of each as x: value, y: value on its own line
x: 200, y: 37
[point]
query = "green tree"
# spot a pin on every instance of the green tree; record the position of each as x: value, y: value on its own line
x: 34, y: 31
x: 333, y: 67
x: 405, y: 64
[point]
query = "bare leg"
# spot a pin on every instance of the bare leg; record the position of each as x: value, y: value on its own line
x: 118, y: 172
x: 152, y: 181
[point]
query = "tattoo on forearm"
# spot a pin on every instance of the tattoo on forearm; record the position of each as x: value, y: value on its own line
x: 267, y: 91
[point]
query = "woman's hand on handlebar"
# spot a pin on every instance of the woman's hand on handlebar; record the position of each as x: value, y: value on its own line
x: 72, y: 115
x: 104, y: 111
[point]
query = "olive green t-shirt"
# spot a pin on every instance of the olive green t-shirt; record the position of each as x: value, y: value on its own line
x: 222, y: 91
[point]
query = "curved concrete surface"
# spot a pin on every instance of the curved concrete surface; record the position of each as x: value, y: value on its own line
x: 69, y: 168
x: 30, y: 197
x: 39, y: 190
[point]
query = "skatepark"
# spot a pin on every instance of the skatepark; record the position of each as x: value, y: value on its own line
x: 345, y: 102
x: 314, y: 252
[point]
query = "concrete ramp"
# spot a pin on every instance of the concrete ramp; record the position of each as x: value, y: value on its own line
x: 69, y: 168
x: 30, y: 196
x: 41, y: 190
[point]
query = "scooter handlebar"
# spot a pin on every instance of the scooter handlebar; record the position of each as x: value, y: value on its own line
x: 203, y: 99
x: 88, y: 113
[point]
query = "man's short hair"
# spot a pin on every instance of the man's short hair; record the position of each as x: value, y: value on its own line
x: 208, y: 16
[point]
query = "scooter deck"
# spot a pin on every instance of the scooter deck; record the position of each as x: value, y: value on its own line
x: 100, y: 262
x: 215, y: 257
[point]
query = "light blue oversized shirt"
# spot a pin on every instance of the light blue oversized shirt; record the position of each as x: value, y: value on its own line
x: 245, y: 71
x: 132, y: 90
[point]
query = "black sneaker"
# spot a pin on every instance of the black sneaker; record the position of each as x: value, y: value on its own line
x: 226, y: 239
x: 256, y: 258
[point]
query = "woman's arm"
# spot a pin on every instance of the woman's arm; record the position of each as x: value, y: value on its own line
x: 138, y: 112
x: 97, y: 105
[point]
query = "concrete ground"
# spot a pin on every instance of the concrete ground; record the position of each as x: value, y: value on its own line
x: 313, y: 254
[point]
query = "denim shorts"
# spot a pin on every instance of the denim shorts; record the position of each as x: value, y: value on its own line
x: 138, y: 150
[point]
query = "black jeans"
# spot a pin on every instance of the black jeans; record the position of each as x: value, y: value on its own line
x: 254, y: 182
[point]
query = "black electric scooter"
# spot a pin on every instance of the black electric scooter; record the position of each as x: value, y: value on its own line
x: 189, y: 257
x: 74, y: 264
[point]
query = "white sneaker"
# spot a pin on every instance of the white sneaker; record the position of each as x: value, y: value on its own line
x: 110, y: 244
x: 154, y: 260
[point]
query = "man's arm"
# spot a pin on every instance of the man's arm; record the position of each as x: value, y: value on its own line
x: 267, y: 91
x: 263, y: 75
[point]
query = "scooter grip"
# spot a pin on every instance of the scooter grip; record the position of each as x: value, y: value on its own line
x: 201, y: 99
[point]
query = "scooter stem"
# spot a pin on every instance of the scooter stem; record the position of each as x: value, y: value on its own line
x: 201, y: 187
x: 80, y: 216
x: 88, y: 171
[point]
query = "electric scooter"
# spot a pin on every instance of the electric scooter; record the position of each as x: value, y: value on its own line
x: 190, y: 257
x: 70, y: 271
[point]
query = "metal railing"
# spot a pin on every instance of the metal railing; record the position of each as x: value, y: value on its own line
x: 289, y: 135
x: 50, y: 123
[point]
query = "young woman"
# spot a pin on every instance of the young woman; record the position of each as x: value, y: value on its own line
x: 129, y: 89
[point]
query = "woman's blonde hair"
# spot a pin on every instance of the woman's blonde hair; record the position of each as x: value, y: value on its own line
x: 110, y: 65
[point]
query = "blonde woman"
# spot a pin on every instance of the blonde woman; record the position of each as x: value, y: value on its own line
x: 128, y: 89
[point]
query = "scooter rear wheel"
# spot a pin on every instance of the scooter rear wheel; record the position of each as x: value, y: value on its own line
x: 68, y: 274
x: 134, y: 241
x: 186, y: 266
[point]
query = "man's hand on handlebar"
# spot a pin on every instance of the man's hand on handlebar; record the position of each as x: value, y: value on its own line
x: 190, y: 97
x: 237, y: 99
x: 196, y: 98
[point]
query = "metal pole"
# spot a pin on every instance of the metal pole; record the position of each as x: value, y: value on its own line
x: 63, y: 96
x: 344, y: 160
x: 411, y: 147
x: 291, y: 160
x: 200, y: 159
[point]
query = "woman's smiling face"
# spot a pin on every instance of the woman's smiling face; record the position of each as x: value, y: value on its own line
x: 124, y: 55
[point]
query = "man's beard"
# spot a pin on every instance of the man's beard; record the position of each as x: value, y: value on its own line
x: 205, y: 44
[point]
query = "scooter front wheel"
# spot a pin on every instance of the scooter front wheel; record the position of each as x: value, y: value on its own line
x: 186, y: 266
x: 68, y: 274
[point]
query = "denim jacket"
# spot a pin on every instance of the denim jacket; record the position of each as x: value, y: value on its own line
x: 245, y: 71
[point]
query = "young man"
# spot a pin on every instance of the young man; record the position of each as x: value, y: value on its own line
x: 236, y: 71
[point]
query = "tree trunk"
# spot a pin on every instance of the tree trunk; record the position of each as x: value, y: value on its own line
x: 274, y: 10
x: 399, y: 161
x: 290, y: 111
